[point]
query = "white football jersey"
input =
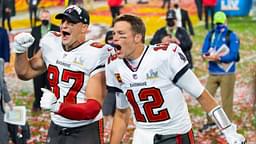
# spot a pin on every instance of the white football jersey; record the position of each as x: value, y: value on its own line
x: 69, y: 72
x: 156, y: 102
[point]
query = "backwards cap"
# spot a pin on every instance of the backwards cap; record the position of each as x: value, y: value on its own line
x: 75, y: 14
x: 219, y: 17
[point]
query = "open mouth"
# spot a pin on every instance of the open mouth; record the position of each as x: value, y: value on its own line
x: 65, y: 33
x: 116, y: 46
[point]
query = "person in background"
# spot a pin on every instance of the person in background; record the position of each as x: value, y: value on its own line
x: 167, y: 4
x: 199, y: 8
x: 33, y: 7
x: 209, y: 10
x: 4, y: 94
x: 253, y: 10
x: 38, y: 32
x: 176, y: 34
x: 76, y: 76
x: 142, y: 2
x: 222, y: 53
x: 4, y: 98
x: 115, y: 6
x: 183, y: 19
x: 8, y: 10
x: 149, y: 80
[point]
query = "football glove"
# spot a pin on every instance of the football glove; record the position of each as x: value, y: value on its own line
x: 22, y: 42
x: 232, y: 136
x: 49, y: 101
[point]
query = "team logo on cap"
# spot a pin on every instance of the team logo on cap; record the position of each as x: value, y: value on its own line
x: 69, y: 10
x: 73, y: 7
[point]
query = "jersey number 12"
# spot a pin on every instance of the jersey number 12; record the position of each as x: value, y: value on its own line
x: 149, y: 106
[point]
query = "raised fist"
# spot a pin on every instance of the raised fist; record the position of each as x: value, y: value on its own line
x: 22, y: 42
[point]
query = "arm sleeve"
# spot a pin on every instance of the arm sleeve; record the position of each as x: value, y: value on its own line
x: 81, y: 111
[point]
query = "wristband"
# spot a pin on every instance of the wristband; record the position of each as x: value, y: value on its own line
x: 219, y: 117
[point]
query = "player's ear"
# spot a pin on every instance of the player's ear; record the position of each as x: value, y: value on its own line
x: 84, y: 28
x: 138, y: 37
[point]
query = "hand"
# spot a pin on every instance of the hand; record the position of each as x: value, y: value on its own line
x: 49, y: 101
x: 232, y: 136
x: 10, y: 104
x: 22, y: 41
x: 211, y: 57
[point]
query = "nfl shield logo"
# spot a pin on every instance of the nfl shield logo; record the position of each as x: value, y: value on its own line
x: 135, y: 76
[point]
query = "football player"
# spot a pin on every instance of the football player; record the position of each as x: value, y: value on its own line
x: 150, y: 80
x: 76, y: 76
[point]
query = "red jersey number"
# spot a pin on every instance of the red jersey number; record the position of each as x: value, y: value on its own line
x: 67, y: 75
x: 148, y: 107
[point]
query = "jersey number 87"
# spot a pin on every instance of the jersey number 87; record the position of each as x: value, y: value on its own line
x: 77, y: 77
